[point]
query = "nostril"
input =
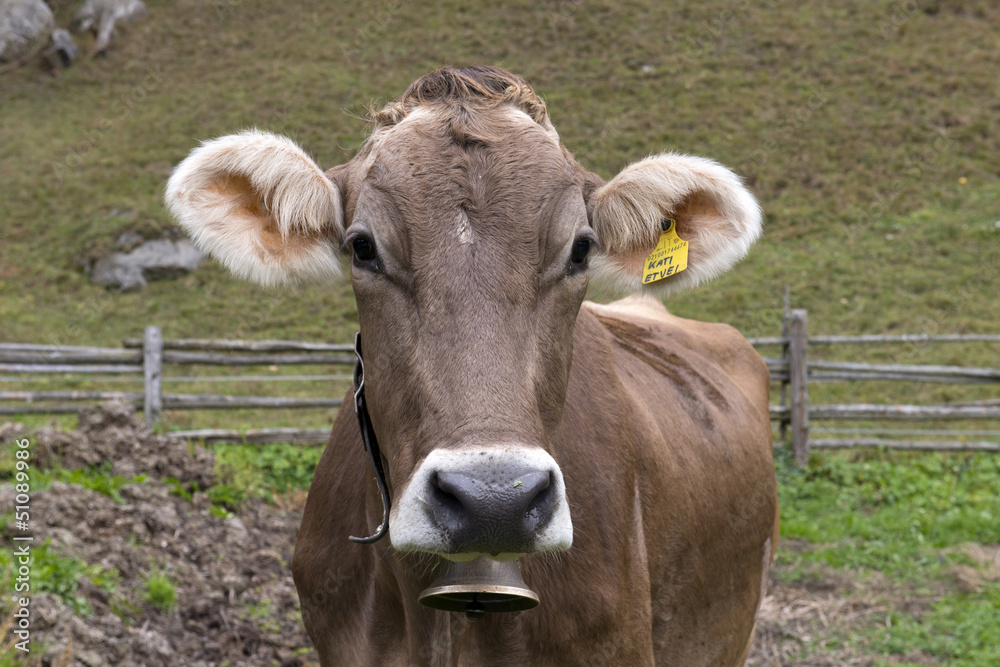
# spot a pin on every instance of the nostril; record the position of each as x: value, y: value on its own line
x: 444, y: 495
x: 448, y: 508
x: 540, y: 502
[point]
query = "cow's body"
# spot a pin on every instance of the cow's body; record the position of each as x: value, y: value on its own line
x: 622, y: 454
x: 665, y: 446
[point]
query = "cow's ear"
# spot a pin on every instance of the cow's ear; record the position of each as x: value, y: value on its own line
x: 257, y: 203
x: 717, y: 217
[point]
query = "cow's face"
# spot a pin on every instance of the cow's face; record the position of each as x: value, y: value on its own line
x: 469, y: 232
x: 469, y: 262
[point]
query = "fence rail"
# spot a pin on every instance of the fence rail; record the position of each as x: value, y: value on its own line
x: 142, y: 361
x: 794, y: 371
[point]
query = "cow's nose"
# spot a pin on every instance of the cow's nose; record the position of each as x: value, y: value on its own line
x: 499, y: 513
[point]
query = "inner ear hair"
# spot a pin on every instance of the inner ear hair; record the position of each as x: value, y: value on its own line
x: 259, y: 204
x: 715, y: 214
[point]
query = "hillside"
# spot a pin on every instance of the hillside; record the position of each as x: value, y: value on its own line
x: 868, y: 132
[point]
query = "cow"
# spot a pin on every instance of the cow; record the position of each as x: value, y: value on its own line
x: 622, y: 455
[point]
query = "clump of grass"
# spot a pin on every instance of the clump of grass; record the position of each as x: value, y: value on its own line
x: 261, y: 471
x: 100, y: 479
x: 160, y: 591
x: 59, y: 575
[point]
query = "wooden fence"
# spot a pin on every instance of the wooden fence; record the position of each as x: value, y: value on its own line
x: 143, y: 361
x: 795, y: 372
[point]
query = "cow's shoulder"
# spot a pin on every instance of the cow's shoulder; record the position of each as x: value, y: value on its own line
x: 643, y: 325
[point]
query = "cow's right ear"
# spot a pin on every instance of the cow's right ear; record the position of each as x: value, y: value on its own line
x: 257, y: 203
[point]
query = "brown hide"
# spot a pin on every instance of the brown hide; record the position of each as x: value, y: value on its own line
x: 665, y: 446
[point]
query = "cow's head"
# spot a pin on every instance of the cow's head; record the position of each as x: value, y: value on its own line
x: 471, y: 232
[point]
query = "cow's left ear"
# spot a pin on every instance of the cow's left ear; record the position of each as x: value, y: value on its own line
x: 714, y: 213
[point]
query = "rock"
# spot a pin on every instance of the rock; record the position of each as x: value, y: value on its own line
x: 88, y: 634
x: 160, y: 519
x: 62, y: 51
x: 23, y: 24
x: 155, y: 644
x: 233, y: 584
x: 90, y: 659
x: 100, y: 16
x: 161, y: 259
x: 128, y: 241
x: 236, y: 533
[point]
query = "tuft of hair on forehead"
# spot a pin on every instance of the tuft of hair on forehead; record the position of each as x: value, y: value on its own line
x: 477, y: 86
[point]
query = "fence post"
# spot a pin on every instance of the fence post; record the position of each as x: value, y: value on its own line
x: 786, y: 313
x: 798, y: 334
x: 152, y: 367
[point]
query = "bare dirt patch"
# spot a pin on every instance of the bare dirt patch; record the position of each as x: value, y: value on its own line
x: 235, y: 599
x: 819, y: 612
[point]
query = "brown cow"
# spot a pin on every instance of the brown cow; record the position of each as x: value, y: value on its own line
x: 630, y: 447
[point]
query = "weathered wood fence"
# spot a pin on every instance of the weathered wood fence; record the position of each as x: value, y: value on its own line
x: 142, y: 361
x: 795, y: 372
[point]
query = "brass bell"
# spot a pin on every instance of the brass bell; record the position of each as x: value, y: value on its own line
x: 477, y: 587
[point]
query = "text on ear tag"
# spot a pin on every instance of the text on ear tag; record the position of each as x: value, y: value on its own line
x: 669, y: 257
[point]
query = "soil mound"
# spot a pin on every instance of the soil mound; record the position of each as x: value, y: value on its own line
x: 235, y: 599
x: 112, y: 432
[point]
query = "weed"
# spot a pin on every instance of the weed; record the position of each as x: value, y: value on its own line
x: 179, y: 489
x: 263, y: 470
x: 59, y: 575
x: 160, y: 591
x: 100, y: 479
x: 227, y: 496
x: 220, y: 512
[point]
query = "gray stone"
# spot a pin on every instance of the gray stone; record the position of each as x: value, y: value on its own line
x: 23, y: 24
x: 62, y: 51
x: 161, y: 259
x: 160, y: 518
x: 153, y: 644
x: 100, y: 17
x: 90, y: 659
x: 236, y: 532
x: 128, y: 241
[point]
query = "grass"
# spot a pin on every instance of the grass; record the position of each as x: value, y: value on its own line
x: 159, y: 590
x: 866, y: 131
x: 56, y: 574
x: 96, y: 478
x: 259, y: 471
x: 846, y: 131
x: 905, y: 530
x: 262, y: 470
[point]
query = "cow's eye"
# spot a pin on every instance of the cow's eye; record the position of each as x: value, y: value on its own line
x: 581, y: 248
x: 364, y: 249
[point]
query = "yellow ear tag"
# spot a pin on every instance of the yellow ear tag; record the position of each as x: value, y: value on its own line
x: 669, y: 257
